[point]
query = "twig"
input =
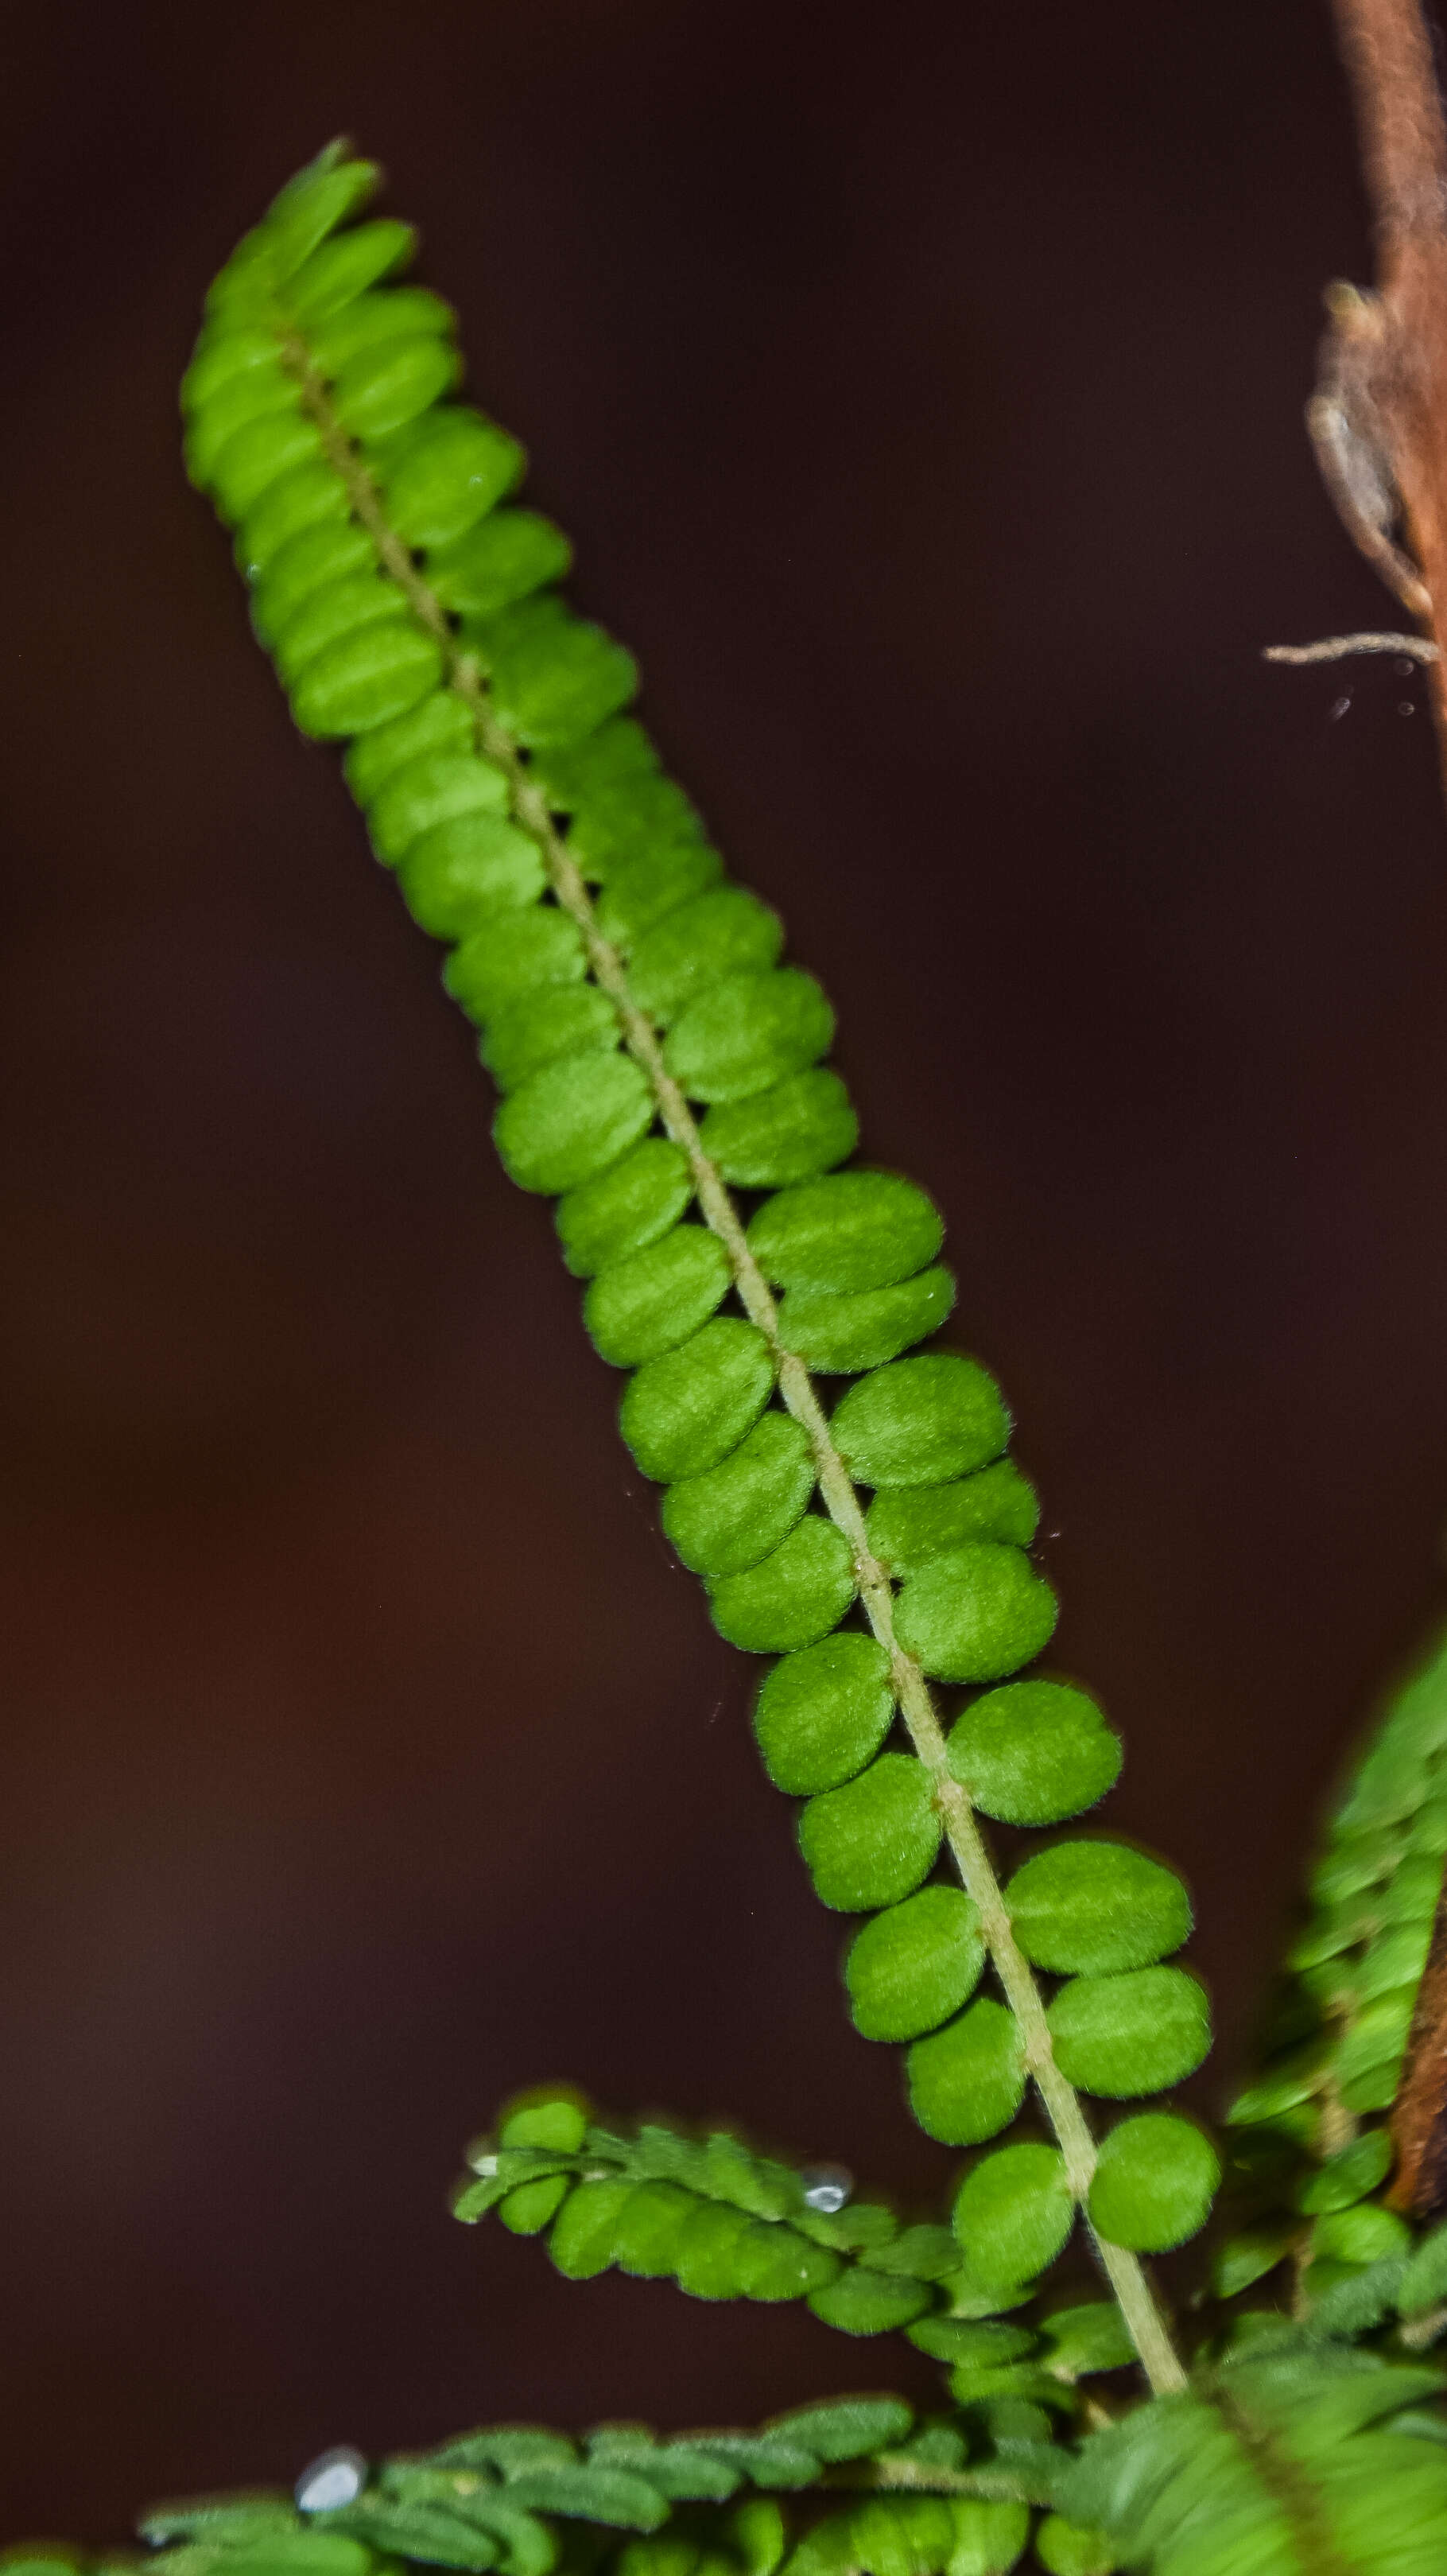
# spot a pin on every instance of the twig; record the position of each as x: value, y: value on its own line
x: 1335, y: 648
x: 1396, y: 341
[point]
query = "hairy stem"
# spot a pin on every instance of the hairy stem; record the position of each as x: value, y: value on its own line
x: 892, y: 2473
x: 530, y: 808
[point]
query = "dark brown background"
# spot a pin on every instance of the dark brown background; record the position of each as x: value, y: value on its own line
x: 923, y: 389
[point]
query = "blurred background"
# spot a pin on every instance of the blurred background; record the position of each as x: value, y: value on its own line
x: 923, y: 391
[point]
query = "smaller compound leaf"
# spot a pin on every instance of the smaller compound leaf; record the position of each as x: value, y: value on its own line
x: 710, y: 2212
x: 406, y: 604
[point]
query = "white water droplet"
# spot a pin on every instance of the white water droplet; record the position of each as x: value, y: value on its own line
x: 1339, y: 708
x: 826, y: 2188
x: 334, y: 2478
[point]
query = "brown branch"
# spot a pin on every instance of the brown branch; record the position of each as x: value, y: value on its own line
x: 1404, y: 139
x: 1389, y: 351
x: 1419, y: 2114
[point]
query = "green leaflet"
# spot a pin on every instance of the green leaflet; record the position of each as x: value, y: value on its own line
x: 1096, y: 1906
x: 967, y: 2081
x: 914, y: 2535
x: 1073, y: 2549
x: 822, y: 1713
x: 915, y: 1964
x: 907, y: 1526
x: 855, y: 1230
x: 1154, y: 2184
x: 733, y: 1516
x: 1034, y: 1752
x: 1014, y: 2213
x: 871, y: 1842
x: 655, y: 1048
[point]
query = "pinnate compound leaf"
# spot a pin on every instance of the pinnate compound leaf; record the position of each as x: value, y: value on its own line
x: 410, y: 605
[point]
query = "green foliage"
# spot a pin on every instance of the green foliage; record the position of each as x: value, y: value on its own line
x: 733, y: 1516
x: 907, y: 1525
x: 976, y: 1613
x: 689, y: 1410
x: 855, y: 1230
x: 800, y: 1128
x: 1311, y: 2156
x: 1291, y: 2456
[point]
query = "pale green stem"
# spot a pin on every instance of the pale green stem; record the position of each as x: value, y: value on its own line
x: 1418, y: 2332
x: 1124, y: 2272
x: 894, y: 2475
